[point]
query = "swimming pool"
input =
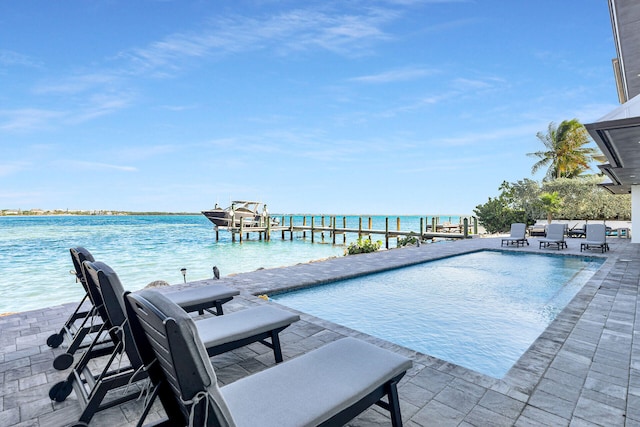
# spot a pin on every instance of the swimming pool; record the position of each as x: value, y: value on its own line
x: 480, y: 310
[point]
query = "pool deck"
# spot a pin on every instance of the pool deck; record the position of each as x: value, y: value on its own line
x: 584, y: 370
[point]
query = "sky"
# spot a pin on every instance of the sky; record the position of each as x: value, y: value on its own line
x: 321, y: 106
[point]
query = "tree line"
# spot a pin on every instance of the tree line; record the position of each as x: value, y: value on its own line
x: 567, y: 191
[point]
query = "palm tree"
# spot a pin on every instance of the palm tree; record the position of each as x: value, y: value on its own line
x: 565, y: 154
x: 551, y: 203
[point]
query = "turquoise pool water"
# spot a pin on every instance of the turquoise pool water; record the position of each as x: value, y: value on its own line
x: 480, y: 310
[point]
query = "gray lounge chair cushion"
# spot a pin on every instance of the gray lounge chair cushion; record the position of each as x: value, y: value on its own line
x: 596, y: 235
x: 313, y: 387
x: 197, y: 352
x: 202, y: 294
x: 517, y: 235
x: 242, y: 324
x: 115, y: 316
x: 518, y: 231
x: 555, y: 234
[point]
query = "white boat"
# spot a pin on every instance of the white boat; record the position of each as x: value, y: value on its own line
x: 240, y: 210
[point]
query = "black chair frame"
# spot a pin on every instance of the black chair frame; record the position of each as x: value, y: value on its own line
x: 91, y: 389
x: 174, y: 372
x: 91, y: 321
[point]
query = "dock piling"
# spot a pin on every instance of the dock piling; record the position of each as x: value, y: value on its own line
x: 264, y: 227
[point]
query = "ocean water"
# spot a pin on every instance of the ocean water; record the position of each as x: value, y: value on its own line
x: 35, y: 260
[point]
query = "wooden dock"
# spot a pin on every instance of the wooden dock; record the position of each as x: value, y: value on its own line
x: 329, y: 225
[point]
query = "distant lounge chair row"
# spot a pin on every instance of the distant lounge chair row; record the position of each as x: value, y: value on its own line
x: 328, y: 386
x: 595, y: 237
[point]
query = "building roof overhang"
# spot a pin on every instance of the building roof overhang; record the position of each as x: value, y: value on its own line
x: 617, y: 134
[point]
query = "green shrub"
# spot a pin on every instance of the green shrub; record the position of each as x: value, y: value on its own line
x: 409, y: 240
x: 363, y: 246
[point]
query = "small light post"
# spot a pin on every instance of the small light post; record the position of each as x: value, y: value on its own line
x: 184, y: 274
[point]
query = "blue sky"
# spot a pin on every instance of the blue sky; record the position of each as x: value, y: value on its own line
x: 320, y: 106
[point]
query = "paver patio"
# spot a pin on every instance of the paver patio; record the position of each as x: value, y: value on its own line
x: 584, y: 370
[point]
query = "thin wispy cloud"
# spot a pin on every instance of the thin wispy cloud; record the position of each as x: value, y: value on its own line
x: 339, y: 154
x: 402, y: 74
x: 459, y: 87
x: 78, y: 83
x: 28, y: 119
x: 9, y: 58
x: 463, y: 163
x: 148, y: 151
x: 417, y: 104
x: 449, y: 25
x: 100, y: 105
x: 177, y: 108
x: 472, y: 83
x: 293, y: 31
x: 526, y: 130
x: 422, y: 2
x: 100, y: 166
x: 12, y: 168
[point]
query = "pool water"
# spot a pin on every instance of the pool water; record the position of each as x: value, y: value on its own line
x: 480, y: 310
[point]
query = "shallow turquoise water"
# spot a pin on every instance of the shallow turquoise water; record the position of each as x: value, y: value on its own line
x: 35, y: 260
x: 480, y: 310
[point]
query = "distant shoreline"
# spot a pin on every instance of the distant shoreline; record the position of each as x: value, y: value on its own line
x: 91, y: 213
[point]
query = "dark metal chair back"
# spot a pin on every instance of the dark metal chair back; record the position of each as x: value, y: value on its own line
x: 104, y: 283
x: 177, y: 360
x: 92, y: 388
x: 78, y: 256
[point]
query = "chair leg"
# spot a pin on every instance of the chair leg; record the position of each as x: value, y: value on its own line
x: 394, y: 405
x: 277, y: 350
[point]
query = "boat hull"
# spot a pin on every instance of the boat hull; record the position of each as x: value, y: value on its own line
x: 222, y: 218
x: 240, y: 212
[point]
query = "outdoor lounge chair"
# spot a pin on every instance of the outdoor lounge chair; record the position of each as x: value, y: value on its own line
x: 577, y: 231
x: 555, y: 236
x: 327, y: 386
x: 517, y: 235
x: 538, y: 229
x: 83, y: 320
x: 251, y: 325
x: 208, y: 297
x: 596, y: 238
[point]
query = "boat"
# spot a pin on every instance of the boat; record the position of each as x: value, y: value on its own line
x: 240, y: 210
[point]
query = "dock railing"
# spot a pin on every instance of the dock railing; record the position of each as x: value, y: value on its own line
x: 467, y: 227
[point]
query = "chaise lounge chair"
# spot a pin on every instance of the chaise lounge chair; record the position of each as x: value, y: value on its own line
x: 538, y: 229
x: 596, y: 238
x: 577, y: 231
x: 555, y: 236
x: 325, y: 387
x: 223, y: 333
x: 84, y: 320
x: 517, y: 235
x: 208, y: 297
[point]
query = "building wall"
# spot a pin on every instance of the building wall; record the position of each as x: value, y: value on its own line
x: 635, y: 208
x: 625, y: 20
